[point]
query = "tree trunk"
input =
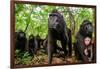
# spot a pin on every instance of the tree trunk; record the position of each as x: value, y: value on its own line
x: 72, y: 21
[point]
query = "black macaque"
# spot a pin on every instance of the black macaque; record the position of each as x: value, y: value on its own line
x: 20, y: 41
x: 57, y: 47
x: 39, y: 42
x: 44, y: 44
x: 31, y: 45
x: 34, y: 44
x: 86, y: 30
x: 56, y: 31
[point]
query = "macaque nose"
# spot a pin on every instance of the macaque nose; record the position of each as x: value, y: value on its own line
x: 91, y: 29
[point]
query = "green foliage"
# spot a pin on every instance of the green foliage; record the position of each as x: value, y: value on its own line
x: 22, y: 58
x: 26, y: 59
x: 33, y: 19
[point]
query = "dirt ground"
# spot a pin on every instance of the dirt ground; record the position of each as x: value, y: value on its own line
x: 42, y: 58
x: 57, y: 59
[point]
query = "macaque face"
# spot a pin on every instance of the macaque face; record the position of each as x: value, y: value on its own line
x: 56, y: 21
x: 87, y: 41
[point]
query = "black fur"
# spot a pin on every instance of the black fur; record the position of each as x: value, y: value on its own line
x: 56, y: 31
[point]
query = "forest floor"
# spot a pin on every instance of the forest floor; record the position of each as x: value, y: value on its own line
x: 41, y: 58
x: 58, y: 59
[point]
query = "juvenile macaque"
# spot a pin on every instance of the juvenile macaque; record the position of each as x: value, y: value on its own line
x: 88, y: 48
